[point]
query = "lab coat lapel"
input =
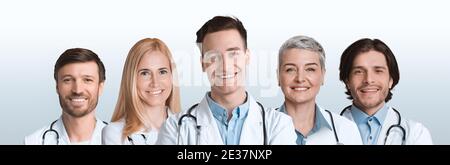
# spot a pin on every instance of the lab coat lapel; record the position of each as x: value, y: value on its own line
x: 391, y: 119
x: 209, y: 133
x: 252, y: 130
x: 63, y: 136
x: 325, y: 135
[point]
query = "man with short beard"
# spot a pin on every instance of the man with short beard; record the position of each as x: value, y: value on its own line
x: 80, y: 75
x: 370, y: 71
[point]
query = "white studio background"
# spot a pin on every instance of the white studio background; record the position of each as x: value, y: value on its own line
x: 34, y: 33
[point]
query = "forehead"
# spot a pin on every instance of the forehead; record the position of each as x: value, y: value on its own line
x: 299, y: 56
x: 154, y: 59
x: 79, y: 69
x: 223, y: 40
x: 370, y: 59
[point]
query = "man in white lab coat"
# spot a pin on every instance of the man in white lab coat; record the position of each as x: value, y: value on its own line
x: 228, y: 114
x: 370, y: 71
x: 79, y: 74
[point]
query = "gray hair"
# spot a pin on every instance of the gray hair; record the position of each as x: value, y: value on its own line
x: 303, y: 42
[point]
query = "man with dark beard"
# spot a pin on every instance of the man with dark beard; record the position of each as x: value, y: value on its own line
x: 80, y: 75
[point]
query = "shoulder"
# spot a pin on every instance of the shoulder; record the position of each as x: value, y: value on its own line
x: 276, y: 117
x: 35, y: 138
x: 113, y: 127
x: 112, y: 133
x: 417, y: 133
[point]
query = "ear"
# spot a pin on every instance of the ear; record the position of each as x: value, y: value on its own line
x: 57, y: 87
x: 278, y: 77
x: 391, y: 82
x: 247, y: 56
x: 201, y: 62
x: 100, y: 88
x: 323, y: 75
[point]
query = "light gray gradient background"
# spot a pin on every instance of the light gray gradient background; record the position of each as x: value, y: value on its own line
x: 34, y: 33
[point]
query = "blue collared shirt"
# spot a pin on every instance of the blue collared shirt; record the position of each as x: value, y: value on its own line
x: 319, y: 122
x: 369, y: 126
x: 230, y: 131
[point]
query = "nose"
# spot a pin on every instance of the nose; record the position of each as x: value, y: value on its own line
x: 77, y: 87
x: 227, y: 62
x: 299, y: 77
x: 154, y: 79
x: 368, y: 78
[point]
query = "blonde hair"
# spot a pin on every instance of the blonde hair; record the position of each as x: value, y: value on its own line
x: 129, y: 105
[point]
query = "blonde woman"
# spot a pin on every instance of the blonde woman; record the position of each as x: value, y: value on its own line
x: 149, y: 93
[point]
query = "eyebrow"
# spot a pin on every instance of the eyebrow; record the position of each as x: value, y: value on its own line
x: 162, y: 68
x: 233, y: 48
x: 376, y: 67
x: 307, y: 64
x: 312, y: 63
x: 145, y: 69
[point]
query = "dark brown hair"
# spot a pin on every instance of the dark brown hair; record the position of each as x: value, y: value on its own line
x: 78, y: 55
x: 220, y: 23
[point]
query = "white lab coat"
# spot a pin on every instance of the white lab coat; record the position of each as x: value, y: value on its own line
x: 346, y: 130
x: 36, y: 138
x: 279, y: 127
x: 416, y: 133
x: 112, y: 134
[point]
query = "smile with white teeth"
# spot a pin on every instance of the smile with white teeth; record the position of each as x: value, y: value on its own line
x: 300, y: 88
x: 369, y: 90
x: 227, y: 76
x: 155, y: 92
x: 78, y: 99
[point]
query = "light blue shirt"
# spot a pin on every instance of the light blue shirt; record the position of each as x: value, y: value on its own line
x: 369, y: 126
x: 230, y: 131
x: 319, y: 122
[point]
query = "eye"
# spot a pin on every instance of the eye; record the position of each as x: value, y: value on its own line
x: 310, y: 69
x: 357, y: 71
x: 88, y: 80
x: 163, y: 71
x: 234, y: 53
x: 290, y: 70
x: 379, y: 71
x: 66, y: 80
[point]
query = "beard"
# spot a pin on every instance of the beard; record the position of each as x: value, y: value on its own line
x: 77, y: 112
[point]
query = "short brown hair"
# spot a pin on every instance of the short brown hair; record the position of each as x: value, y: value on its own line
x: 220, y: 23
x: 78, y: 55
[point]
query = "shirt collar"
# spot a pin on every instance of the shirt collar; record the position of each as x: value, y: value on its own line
x: 221, y: 114
x: 361, y: 117
x: 320, y: 120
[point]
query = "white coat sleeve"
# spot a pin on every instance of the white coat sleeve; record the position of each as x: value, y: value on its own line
x: 421, y: 135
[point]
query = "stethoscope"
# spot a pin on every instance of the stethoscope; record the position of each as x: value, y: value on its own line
x: 332, y: 125
x: 51, y: 130
x: 391, y: 127
x: 198, y: 127
x: 133, y: 142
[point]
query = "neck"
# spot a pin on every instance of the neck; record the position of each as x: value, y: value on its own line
x: 79, y: 128
x: 231, y: 100
x: 156, y: 116
x: 370, y: 110
x: 302, y: 114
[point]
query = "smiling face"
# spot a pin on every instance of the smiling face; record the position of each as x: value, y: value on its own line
x: 224, y: 60
x: 78, y: 88
x: 300, y: 75
x: 154, y: 79
x: 369, y: 81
